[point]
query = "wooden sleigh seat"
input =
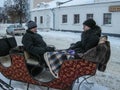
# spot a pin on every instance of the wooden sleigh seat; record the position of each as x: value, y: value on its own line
x: 69, y: 71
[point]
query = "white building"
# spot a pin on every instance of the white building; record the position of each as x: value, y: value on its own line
x: 70, y: 15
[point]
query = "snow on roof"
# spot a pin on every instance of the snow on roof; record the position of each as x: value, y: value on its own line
x: 58, y: 3
x: 78, y: 2
x: 107, y: 0
x: 49, y: 5
x: 62, y: 3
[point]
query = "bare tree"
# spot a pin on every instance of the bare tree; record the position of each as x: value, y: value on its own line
x: 17, y: 10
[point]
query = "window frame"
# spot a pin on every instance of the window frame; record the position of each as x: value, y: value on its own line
x: 64, y: 18
x: 107, y: 18
x: 76, y: 18
x: 89, y: 16
x: 35, y: 19
x: 41, y: 19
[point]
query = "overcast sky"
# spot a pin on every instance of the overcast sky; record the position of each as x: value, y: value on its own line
x: 1, y: 3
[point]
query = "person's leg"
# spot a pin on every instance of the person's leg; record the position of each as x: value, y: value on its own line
x: 42, y: 61
x: 34, y: 70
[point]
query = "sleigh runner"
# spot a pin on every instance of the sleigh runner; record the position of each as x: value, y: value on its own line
x: 69, y: 71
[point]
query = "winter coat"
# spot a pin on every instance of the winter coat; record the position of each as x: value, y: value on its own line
x: 100, y: 54
x: 89, y: 39
x: 34, y: 43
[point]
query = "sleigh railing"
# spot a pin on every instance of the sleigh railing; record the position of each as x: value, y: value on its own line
x: 68, y: 73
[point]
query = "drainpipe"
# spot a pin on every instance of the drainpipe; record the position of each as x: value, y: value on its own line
x: 52, y: 10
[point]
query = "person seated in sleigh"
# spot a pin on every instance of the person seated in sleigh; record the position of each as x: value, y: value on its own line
x: 89, y: 39
x: 34, y: 44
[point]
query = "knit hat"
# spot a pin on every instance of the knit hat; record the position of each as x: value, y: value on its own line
x: 90, y: 23
x: 31, y: 24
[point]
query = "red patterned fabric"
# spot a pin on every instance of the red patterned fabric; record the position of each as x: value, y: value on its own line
x: 69, y: 72
x: 18, y: 71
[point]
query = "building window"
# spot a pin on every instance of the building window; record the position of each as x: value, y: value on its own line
x: 64, y: 18
x: 41, y: 19
x: 89, y: 16
x: 76, y: 18
x: 35, y: 19
x: 107, y: 18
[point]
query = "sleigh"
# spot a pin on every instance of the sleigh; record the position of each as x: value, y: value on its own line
x: 70, y: 71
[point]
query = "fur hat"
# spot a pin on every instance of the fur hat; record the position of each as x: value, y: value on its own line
x: 31, y: 24
x: 90, y: 23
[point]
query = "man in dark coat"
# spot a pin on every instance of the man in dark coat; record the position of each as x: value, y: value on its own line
x: 34, y: 43
x: 89, y: 38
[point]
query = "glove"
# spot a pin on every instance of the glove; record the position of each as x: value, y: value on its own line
x: 72, y: 52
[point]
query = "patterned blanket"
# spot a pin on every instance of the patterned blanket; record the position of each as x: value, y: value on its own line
x: 55, y: 59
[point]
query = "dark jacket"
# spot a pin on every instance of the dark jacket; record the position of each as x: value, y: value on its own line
x: 89, y: 39
x: 34, y: 43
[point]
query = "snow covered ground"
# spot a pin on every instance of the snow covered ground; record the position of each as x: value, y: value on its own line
x: 108, y: 80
